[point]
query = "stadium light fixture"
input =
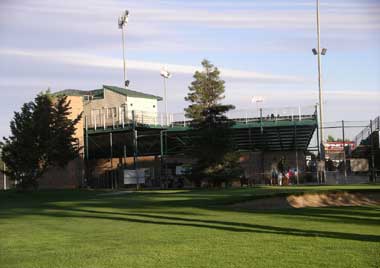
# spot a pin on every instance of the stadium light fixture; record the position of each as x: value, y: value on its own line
x: 257, y: 100
x: 323, y: 52
x: 166, y: 75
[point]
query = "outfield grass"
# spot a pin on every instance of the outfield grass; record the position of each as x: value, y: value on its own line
x: 183, y: 229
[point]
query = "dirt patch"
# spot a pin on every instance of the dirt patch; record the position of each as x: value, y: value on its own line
x: 313, y: 200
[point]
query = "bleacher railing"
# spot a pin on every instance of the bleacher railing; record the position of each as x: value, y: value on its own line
x: 158, y: 119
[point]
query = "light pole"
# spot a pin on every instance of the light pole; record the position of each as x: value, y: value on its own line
x: 122, y: 21
x: 320, y: 52
x: 166, y: 75
x: 257, y: 100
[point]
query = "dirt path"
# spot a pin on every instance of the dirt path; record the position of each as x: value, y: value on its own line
x: 313, y: 200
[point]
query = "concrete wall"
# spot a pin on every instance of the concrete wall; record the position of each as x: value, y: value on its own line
x: 69, y: 177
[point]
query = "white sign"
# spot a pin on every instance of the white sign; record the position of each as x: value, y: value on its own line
x: 131, y: 176
x: 359, y: 164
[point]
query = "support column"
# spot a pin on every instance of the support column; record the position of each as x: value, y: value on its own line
x: 319, y: 180
x: 111, y: 152
x: 261, y: 120
x: 373, y: 171
x: 135, y: 153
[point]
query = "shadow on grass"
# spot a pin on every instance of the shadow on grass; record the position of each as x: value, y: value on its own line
x: 145, y: 218
x: 350, y: 215
x: 75, y: 206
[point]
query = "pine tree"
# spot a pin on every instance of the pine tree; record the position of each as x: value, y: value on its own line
x: 211, y: 143
x: 206, y: 92
x: 42, y: 136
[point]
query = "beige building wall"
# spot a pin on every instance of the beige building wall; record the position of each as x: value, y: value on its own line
x: 98, y: 109
x: 70, y: 176
x: 76, y: 104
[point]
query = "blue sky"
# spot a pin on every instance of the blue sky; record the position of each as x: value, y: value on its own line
x: 263, y: 48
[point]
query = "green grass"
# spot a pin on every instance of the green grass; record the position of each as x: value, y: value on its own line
x: 183, y: 229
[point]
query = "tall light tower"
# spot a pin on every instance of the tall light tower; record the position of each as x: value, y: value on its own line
x: 166, y: 75
x: 320, y: 52
x: 257, y: 100
x: 122, y: 21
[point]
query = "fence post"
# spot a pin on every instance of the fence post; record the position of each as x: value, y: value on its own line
x: 373, y: 171
x: 295, y: 145
x: 344, y: 153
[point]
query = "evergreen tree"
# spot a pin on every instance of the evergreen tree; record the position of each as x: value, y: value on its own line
x: 206, y: 92
x: 211, y: 144
x: 42, y: 136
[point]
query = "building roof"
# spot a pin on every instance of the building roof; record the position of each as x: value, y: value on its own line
x: 131, y: 93
x: 99, y: 93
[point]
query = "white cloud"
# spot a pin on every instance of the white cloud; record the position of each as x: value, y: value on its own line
x: 267, y: 19
x: 82, y: 59
x: 297, y: 15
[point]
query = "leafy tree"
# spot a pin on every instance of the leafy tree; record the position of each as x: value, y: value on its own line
x: 42, y: 136
x: 211, y: 144
x: 330, y: 138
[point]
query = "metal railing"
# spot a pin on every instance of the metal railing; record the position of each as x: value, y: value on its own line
x: 159, y: 119
x: 367, y: 131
